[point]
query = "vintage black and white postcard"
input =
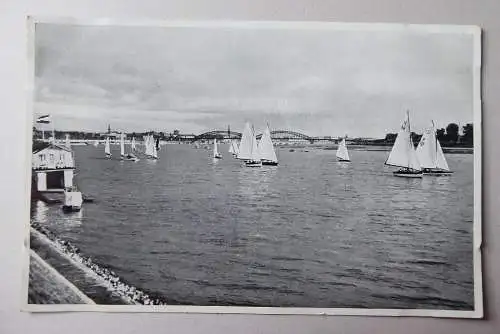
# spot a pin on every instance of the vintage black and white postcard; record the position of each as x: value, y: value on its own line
x: 254, y: 167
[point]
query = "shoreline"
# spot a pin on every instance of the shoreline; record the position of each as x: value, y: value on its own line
x: 100, y: 284
x: 48, y: 286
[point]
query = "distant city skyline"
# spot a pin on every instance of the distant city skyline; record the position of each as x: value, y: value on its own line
x: 317, y: 82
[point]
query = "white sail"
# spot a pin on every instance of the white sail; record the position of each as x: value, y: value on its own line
x: 68, y: 143
x: 107, y: 149
x: 236, y: 147
x: 342, y: 151
x: 96, y: 143
x: 441, y: 160
x: 147, y: 146
x: 216, y: 151
x: 245, y: 152
x: 248, y: 147
x: 122, y: 144
x: 429, y: 151
x: 403, y: 152
x: 233, y: 148
x: 266, y: 148
x: 132, y: 146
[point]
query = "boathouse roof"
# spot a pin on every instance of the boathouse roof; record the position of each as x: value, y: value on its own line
x: 40, y: 146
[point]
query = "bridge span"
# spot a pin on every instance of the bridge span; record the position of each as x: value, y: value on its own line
x: 284, y: 135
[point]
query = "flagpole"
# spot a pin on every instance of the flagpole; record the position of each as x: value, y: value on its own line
x: 53, y: 133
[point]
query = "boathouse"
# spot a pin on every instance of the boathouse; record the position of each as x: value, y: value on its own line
x: 53, y: 167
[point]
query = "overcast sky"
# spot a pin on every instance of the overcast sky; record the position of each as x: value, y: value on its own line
x: 196, y: 80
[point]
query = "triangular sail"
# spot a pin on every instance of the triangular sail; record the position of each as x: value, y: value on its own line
x: 122, y: 144
x: 132, y: 145
x: 68, y: 143
x: 237, y: 147
x: 429, y: 151
x: 255, y: 154
x: 248, y: 147
x: 403, y: 152
x: 342, y: 151
x: 245, y: 152
x: 216, y: 151
x: 148, y: 149
x: 441, y: 160
x: 231, y: 148
x: 107, y: 149
x: 266, y: 148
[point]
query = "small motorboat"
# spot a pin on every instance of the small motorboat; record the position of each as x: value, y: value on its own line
x: 72, y: 200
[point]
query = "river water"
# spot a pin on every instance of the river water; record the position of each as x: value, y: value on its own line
x: 310, y: 232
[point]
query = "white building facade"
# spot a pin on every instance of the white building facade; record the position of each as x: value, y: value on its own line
x: 53, y: 168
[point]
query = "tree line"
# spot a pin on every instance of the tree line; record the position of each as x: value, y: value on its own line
x: 449, y: 136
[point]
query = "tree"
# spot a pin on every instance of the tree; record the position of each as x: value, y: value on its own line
x: 390, y: 137
x: 441, y: 135
x: 452, y: 133
x: 467, y: 137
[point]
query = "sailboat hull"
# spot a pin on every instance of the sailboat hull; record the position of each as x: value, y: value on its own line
x: 432, y: 172
x: 408, y: 173
x: 131, y: 158
x: 343, y: 160
x: 269, y: 163
x: 253, y: 163
x: 217, y: 156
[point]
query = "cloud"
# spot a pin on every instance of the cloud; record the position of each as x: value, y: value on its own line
x: 322, y: 82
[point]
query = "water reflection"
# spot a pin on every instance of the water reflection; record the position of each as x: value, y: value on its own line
x: 40, y: 212
x: 430, y: 182
x: 255, y: 181
x: 48, y: 215
x: 342, y: 165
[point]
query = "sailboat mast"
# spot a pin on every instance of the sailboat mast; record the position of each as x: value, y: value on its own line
x: 436, y: 140
x: 253, y: 138
x: 409, y: 134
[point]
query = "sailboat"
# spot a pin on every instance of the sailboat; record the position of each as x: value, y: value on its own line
x: 430, y: 154
x: 233, y: 148
x: 130, y: 156
x: 266, y: 149
x: 96, y: 143
x: 217, y: 155
x: 67, y: 143
x: 107, y: 149
x: 403, y: 153
x: 342, y: 154
x: 151, y: 147
x: 249, y: 151
x: 122, y: 146
x: 132, y: 145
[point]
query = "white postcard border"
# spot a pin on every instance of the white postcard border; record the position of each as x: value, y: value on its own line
x: 475, y: 31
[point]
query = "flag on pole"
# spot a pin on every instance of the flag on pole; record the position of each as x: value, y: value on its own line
x: 45, y: 119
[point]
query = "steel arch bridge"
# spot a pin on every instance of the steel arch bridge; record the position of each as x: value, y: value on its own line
x: 218, y: 134
x: 275, y: 134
